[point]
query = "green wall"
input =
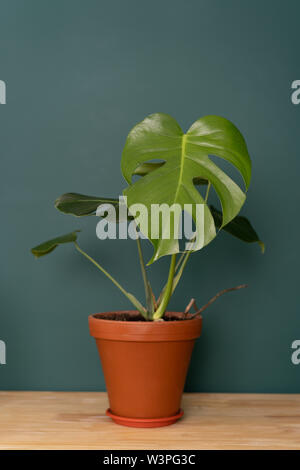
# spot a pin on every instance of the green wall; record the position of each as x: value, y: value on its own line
x: 79, y: 75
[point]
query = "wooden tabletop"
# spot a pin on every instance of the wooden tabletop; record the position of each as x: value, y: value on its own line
x: 76, y: 420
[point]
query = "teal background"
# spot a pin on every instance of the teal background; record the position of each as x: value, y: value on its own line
x: 79, y: 75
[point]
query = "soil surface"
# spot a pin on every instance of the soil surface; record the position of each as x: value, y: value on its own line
x: 136, y: 316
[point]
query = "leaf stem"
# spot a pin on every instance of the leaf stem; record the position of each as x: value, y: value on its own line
x: 179, y: 261
x: 180, y: 265
x: 129, y: 296
x: 148, y: 290
x: 180, y: 271
x: 242, y: 286
x: 207, y: 192
x: 168, y: 292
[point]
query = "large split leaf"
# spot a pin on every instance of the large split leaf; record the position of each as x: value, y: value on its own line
x: 50, y: 245
x: 185, y: 159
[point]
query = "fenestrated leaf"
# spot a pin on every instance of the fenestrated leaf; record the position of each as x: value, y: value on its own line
x: 186, y: 157
x: 239, y: 227
x: 50, y: 245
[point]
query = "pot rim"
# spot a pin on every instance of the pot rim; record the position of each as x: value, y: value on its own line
x: 142, y: 331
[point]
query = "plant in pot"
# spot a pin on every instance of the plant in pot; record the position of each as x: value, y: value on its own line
x: 145, y: 352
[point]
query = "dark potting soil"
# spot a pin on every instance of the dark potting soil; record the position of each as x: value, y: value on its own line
x: 135, y: 316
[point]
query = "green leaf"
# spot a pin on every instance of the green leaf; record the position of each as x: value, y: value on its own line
x: 145, y: 168
x: 239, y: 227
x: 186, y: 159
x: 50, y: 245
x: 81, y: 205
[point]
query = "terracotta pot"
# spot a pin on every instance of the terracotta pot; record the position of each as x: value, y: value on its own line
x: 145, y: 366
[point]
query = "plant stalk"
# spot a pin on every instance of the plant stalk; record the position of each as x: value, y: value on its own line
x: 168, y: 292
x: 129, y: 296
x: 182, y: 260
x: 242, y: 286
x: 148, y: 290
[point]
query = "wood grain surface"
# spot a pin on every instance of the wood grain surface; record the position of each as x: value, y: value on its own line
x: 76, y: 420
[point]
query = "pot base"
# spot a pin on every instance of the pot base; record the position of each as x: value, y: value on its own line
x: 144, y: 422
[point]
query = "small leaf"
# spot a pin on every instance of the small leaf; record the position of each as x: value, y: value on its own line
x: 50, y: 245
x: 239, y: 227
x: 81, y: 205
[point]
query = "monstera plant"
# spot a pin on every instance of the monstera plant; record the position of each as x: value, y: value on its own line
x: 145, y: 352
x: 171, y: 166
